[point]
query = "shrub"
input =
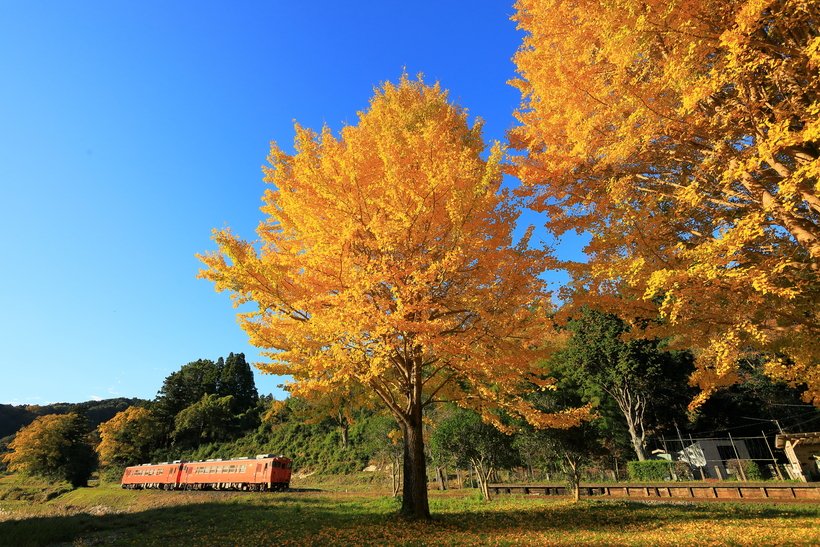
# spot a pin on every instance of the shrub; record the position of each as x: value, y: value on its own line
x: 650, y: 470
x: 750, y: 469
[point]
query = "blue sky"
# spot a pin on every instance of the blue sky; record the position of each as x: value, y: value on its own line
x: 129, y: 130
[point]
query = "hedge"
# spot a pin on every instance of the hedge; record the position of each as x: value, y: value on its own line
x: 654, y: 470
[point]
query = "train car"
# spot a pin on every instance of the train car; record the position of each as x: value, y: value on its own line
x: 165, y: 476
x: 262, y: 473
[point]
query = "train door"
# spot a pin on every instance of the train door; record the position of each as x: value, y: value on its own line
x: 177, y: 476
x: 184, y: 479
x: 257, y: 474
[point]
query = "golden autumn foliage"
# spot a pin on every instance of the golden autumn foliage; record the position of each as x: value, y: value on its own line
x: 387, y: 260
x: 127, y: 438
x: 53, y: 446
x: 683, y: 136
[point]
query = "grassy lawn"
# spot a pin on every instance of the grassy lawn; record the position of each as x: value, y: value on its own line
x: 107, y: 515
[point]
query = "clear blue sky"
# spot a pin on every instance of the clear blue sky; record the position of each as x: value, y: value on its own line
x: 128, y: 130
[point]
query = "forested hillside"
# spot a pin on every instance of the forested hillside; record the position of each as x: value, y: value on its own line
x: 14, y: 417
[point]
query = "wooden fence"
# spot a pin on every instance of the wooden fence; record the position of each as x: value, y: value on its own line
x: 721, y: 491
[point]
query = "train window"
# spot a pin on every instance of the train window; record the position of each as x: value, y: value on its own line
x: 232, y: 469
x: 242, y: 468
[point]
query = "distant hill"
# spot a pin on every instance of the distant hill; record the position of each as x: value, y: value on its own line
x: 13, y: 417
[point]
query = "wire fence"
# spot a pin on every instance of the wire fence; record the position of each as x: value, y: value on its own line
x: 741, y: 458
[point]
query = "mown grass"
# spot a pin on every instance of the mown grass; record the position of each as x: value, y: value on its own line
x: 106, y: 515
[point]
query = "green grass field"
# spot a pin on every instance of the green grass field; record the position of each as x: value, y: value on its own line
x: 107, y: 515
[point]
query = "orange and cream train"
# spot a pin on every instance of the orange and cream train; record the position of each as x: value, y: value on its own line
x: 262, y: 473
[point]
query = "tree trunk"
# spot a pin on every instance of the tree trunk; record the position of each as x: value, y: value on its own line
x: 414, y: 503
x: 345, y: 427
x: 483, y: 478
x: 574, y: 477
x: 633, y: 406
x: 637, y: 443
x: 395, y: 475
x: 442, y: 481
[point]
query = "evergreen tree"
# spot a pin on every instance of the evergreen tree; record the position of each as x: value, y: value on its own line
x: 187, y: 386
x: 208, y: 420
x: 236, y: 379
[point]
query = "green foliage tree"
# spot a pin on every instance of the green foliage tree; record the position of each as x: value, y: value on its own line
x: 55, y: 447
x: 236, y: 379
x: 571, y: 449
x: 474, y: 442
x: 185, y: 391
x: 207, y: 420
x: 636, y: 374
x: 187, y: 386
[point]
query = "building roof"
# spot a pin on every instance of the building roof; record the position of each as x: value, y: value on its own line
x: 808, y: 438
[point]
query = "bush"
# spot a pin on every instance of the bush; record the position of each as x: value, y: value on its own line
x: 650, y: 470
x: 750, y: 469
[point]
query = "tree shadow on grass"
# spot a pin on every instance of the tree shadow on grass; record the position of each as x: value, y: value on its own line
x: 305, y: 520
x: 217, y: 522
x: 608, y: 516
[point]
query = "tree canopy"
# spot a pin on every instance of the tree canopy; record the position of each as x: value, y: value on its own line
x: 207, y: 420
x: 128, y: 437
x: 634, y: 373
x: 472, y: 441
x: 387, y: 259
x: 225, y: 377
x: 683, y: 137
x: 55, y: 446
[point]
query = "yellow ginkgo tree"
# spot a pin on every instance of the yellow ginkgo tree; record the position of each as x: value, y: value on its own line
x: 684, y: 137
x: 387, y: 260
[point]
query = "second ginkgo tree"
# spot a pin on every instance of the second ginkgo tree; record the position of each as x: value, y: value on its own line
x: 388, y: 260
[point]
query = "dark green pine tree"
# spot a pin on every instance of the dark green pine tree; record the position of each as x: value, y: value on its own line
x: 236, y: 378
x: 187, y: 386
